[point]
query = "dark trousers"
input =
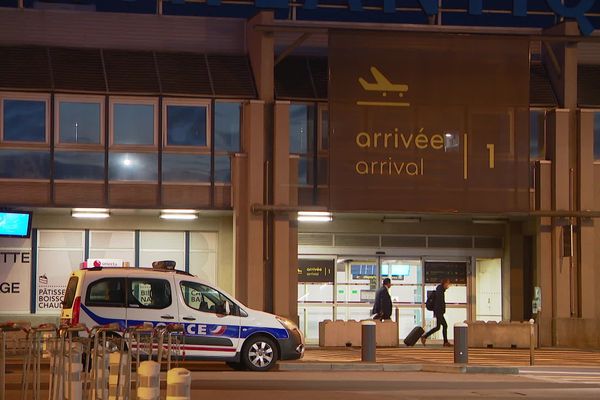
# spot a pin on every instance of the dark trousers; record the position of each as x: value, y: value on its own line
x: 440, y: 321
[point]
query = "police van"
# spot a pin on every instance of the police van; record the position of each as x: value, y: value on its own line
x: 217, y: 326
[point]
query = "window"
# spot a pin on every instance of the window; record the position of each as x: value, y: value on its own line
x: 192, y: 168
x: 205, y: 299
x: 187, y: 125
x: 79, y: 121
x: 149, y: 293
x: 597, y: 136
x: 140, y: 167
x: 107, y: 292
x: 24, y: 164
x: 76, y: 165
x: 537, y: 134
x: 222, y: 169
x: 70, y: 292
x: 24, y: 120
x: 227, y: 126
x: 302, y: 120
x: 134, y: 122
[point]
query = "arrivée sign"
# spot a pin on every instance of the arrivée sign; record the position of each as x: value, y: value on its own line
x: 428, y: 122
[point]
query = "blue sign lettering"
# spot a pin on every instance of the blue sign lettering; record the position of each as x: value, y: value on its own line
x: 576, y: 12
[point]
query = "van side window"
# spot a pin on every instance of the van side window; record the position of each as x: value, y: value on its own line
x: 107, y: 292
x: 70, y: 292
x: 149, y: 293
x: 206, y: 299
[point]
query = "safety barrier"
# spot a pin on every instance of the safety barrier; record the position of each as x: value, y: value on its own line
x: 96, y: 363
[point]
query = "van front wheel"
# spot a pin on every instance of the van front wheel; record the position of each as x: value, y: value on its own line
x: 259, y: 354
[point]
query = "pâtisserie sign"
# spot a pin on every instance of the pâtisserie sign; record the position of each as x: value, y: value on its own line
x: 428, y: 122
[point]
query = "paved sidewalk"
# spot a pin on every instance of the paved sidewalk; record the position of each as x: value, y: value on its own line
x: 440, y: 355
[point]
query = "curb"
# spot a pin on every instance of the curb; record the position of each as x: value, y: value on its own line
x: 370, y: 367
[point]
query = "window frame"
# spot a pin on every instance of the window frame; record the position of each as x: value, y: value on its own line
x: 88, y: 289
x: 133, y: 100
x: 542, y: 151
x: 43, y: 97
x: 139, y: 306
x: 316, y: 118
x: 89, y: 99
x: 171, y: 148
x: 322, y: 107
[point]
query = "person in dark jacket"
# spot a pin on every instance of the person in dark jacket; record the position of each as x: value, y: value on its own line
x: 439, y: 310
x: 382, y: 309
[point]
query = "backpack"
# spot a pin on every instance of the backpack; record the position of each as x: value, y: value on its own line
x: 430, y: 303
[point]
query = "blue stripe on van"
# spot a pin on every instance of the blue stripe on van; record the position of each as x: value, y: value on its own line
x: 196, y: 329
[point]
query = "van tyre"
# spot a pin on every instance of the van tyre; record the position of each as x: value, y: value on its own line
x: 259, y: 354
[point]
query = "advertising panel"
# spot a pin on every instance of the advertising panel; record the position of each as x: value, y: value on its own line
x: 15, y: 275
x: 315, y: 271
x: 428, y: 122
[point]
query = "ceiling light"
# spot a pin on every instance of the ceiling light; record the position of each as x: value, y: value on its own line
x: 92, y: 213
x: 314, y: 216
x: 179, y: 214
x: 490, y: 221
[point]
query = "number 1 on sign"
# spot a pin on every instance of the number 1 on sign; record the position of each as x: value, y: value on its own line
x: 490, y: 148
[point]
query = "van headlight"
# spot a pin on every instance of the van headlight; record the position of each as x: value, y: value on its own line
x: 287, y: 324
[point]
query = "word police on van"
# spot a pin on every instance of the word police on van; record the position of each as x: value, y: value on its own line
x: 217, y: 326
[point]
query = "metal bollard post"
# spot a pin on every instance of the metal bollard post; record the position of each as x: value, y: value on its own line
x: 531, y: 342
x: 148, y: 381
x: 461, y: 343
x: 116, y: 385
x: 179, y: 382
x: 397, y: 326
x: 369, y: 341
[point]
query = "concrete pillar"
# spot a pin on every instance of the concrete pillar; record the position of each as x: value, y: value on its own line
x: 281, y: 221
x: 261, y: 50
x: 293, y: 261
x: 248, y: 189
x: 558, y: 132
x: 585, y: 196
x: 544, y: 257
x: 516, y: 271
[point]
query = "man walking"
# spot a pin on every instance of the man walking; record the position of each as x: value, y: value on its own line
x: 382, y: 309
x: 439, y: 309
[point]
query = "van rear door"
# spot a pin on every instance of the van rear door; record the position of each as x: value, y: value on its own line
x: 103, y: 302
x: 69, y: 300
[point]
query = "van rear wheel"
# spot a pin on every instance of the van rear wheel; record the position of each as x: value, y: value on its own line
x: 259, y: 354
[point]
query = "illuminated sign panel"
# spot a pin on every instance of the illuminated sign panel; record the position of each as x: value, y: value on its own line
x: 426, y: 122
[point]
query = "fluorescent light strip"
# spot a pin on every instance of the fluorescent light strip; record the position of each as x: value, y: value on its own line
x: 90, y: 210
x: 90, y: 215
x: 176, y: 211
x: 314, y: 216
x: 178, y: 216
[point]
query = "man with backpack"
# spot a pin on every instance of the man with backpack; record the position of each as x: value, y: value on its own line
x: 436, y: 302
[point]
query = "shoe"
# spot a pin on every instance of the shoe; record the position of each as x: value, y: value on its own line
x: 447, y: 344
x: 423, y: 341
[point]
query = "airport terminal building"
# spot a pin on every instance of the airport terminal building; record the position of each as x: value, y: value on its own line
x: 295, y: 153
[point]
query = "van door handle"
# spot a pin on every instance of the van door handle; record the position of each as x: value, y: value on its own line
x: 167, y: 317
x: 189, y: 318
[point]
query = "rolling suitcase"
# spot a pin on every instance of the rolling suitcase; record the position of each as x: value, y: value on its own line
x: 414, y: 336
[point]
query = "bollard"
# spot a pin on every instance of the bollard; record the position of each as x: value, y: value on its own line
x: 73, y: 370
x: 179, y: 382
x: 397, y: 315
x: 2, y: 364
x: 116, y: 384
x: 461, y: 343
x: 531, y: 342
x: 148, y: 381
x: 369, y: 341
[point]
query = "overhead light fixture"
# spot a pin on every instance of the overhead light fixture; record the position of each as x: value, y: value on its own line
x: 314, y: 216
x: 179, y: 214
x: 492, y: 221
x: 91, y: 213
x: 405, y: 220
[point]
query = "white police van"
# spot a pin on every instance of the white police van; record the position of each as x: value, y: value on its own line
x: 217, y: 327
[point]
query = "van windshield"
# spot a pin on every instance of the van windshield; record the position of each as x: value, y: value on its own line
x: 70, y: 292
